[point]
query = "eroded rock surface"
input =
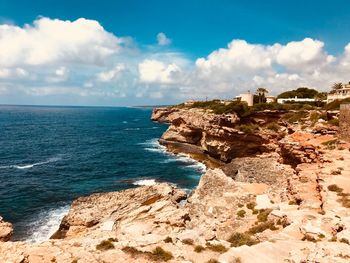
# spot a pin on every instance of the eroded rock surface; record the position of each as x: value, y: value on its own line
x: 6, y: 230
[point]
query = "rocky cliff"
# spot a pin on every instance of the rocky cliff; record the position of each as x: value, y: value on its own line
x: 286, y: 203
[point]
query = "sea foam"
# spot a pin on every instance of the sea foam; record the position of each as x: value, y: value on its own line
x: 153, y: 145
x: 146, y: 182
x: 28, y: 166
x: 47, y: 224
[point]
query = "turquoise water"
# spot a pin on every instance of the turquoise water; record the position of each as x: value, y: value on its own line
x: 52, y: 155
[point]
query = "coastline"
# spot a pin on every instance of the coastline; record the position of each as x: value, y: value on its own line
x: 281, y: 204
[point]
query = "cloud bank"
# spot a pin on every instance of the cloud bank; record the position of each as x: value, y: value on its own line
x: 53, y: 61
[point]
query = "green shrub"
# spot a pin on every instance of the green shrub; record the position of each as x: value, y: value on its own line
x: 168, y: 240
x: 251, y: 205
x: 241, y: 213
x: 308, y: 237
x: 160, y: 254
x: 212, y: 260
x: 199, y: 248
x: 263, y: 214
x: 334, y: 122
x: 188, y: 241
x: 295, y: 116
x: 262, y: 227
x: 217, y: 248
x: 248, y: 128
x: 344, y: 240
x: 334, y: 188
x: 335, y: 105
x: 240, y: 239
x: 105, y: 245
x: 273, y: 126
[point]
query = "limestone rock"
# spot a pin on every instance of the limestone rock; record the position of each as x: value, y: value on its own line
x: 6, y: 230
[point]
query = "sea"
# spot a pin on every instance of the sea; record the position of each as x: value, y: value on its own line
x: 50, y: 155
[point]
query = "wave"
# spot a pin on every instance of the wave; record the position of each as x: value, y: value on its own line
x: 147, y: 182
x: 153, y: 145
x: 137, y: 129
x: 131, y: 129
x: 47, y: 224
x: 28, y: 166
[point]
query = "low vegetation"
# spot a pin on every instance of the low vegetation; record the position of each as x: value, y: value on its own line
x: 105, y: 245
x: 273, y: 126
x: 248, y: 128
x: 251, y: 205
x: 344, y: 240
x: 158, y: 254
x: 331, y: 144
x: 216, y: 248
x: 188, y: 241
x: 335, y: 105
x: 261, y: 227
x: 334, y: 188
x: 199, y: 248
x: 240, y: 239
x: 263, y: 215
x: 241, y: 213
x: 168, y: 240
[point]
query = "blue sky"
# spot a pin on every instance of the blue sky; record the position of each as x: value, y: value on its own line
x: 193, y: 30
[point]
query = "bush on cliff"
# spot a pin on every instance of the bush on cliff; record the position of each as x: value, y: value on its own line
x: 273, y: 126
x: 248, y: 128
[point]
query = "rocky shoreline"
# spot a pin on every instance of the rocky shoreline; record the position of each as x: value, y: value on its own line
x: 275, y: 194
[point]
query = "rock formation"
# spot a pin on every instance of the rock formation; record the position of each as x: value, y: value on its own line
x: 6, y: 230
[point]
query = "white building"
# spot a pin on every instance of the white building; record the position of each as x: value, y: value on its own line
x: 247, y: 97
x: 295, y: 99
x: 339, y: 94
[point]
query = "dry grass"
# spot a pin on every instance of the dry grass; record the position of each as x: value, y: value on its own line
x: 251, y: 205
x: 105, y: 245
x: 308, y: 237
x: 334, y: 188
x: 168, y: 240
x: 241, y: 213
x: 240, y: 239
x: 262, y: 227
x: 216, y: 248
x: 158, y: 254
x: 187, y: 241
x: 199, y: 248
x: 263, y: 214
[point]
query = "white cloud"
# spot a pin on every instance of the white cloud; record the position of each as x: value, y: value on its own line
x: 155, y: 71
x: 163, y: 40
x: 52, y: 40
x: 6, y: 73
x: 307, y: 52
x: 112, y: 74
x: 81, y: 59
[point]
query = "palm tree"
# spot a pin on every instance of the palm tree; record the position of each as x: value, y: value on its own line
x: 336, y: 86
x: 261, y: 92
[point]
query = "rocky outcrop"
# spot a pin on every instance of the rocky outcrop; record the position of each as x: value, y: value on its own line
x: 6, y: 230
x: 216, y: 135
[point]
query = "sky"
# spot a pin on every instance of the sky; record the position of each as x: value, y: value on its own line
x: 122, y: 53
